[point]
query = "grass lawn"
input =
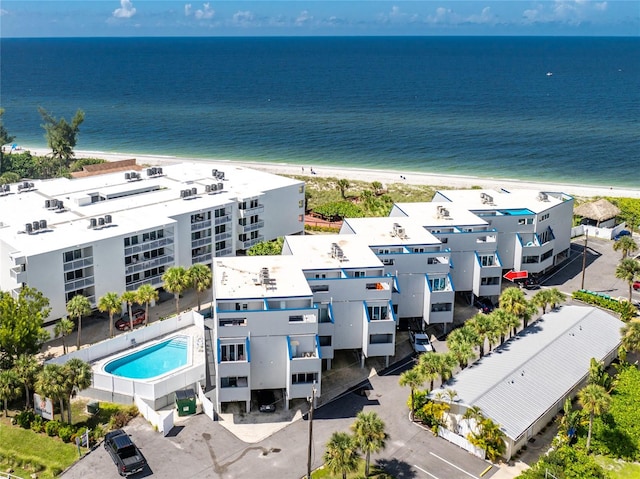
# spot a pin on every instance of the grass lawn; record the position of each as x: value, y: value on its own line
x: 619, y: 469
x: 27, y: 452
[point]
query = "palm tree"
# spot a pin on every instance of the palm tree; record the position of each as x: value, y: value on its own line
x: 63, y: 328
x: 414, y: 380
x: 631, y: 335
x: 512, y: 300
x: 628, y: 269
x: 129, y: 297
x: 112, y: 304
x: 556, y: 297
x: 541, y: 299
x: 343, y: 184
x: 450, y: 395
x: 26, y: 368
x: 199, y: 277
x: 482, y: 324
x: 176, y: 281
x: 78, y: 376
x: 507, y: 323
x: 377, y: 187
x: 473, y: 413
x: 369, y: 435
x: 428, y: 365
x: 341, y: 455
x: 9, y: 387
x: 446, y: 365
x: 146, y: 294
x: 460, y: 347
x: 77, y: 307
x: 626, y: 244
x: 51, y: 384
x: 595, y: 401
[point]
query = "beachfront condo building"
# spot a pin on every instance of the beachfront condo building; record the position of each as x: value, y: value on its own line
x: 117, y: 231
x: 265, y: 330
x: 491, y: 232
x: 418, y: 261
x: 277, y: 320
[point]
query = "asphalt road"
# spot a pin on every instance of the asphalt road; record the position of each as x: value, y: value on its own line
x: 205, y: 449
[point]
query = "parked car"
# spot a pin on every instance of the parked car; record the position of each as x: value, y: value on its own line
x: 124, y: 453
x: 484, y: 305
x: 420, y: 342
x: 621, y: 234
x: 138, y: 318
x: 266, y: 401
x: 530, y: 283
x: 636, y: 285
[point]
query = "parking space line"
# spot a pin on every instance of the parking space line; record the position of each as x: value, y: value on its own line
x: 426, y: 472
x: 453, y: 465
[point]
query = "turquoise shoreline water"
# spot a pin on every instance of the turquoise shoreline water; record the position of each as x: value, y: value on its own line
x: 461, y: 106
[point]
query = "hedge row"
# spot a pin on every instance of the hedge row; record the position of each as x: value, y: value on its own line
x: 598, y: 299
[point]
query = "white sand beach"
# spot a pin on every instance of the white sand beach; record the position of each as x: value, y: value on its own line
x: 385, y: 177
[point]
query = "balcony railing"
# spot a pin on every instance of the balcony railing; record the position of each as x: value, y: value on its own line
x: 250, y: 242
x: 153, y: 263
x: 79, y: 284
x: 243, y: 213
x: 251, y: 227
x: 200, y: 225
x: 201, y: 242
x: 224, y: 252
x: 78, y: 264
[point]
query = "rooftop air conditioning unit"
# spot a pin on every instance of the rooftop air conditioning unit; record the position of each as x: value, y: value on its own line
x: 542, y: 196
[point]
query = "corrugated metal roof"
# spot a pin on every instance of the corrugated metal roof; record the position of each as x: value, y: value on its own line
x: 519, y: 381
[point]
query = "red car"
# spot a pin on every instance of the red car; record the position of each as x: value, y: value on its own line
x: 138, y: 318
x: 636, y: 285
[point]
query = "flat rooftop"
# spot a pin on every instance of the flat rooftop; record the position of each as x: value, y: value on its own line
x: 439, y: 214
x: 247, y: 277
x: 316, y: 252
x: 384, y: 231
x: 133, y: 204
x: 503, y: 199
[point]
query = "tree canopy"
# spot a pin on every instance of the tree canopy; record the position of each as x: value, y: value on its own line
x: 21, y: 322
x: 61, y: 136
x: 267, y: 248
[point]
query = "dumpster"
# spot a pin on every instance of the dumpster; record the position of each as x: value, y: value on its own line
x: 186, y: 402
x: 93, y: 407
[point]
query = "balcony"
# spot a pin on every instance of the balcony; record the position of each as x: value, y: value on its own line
x: 224, y: 252
x: 200, y: 225
x: 148, y: 245
x: 244, y: 213
x: 201, y: 242
x: 251, y: 227
x: 222, y: 219
x: 18, y: 275
x: 223, y: 236
x: 79, y: 284
x: 78, y: 264
x: 145, y: 265
x: 203, y: 258
x: 250, y: 242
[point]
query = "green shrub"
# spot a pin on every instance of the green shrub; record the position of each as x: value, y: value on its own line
x: 119, y: 420
x: 97, y: 433
x: 24, y: 419
x: 51, y: 428
x: 37, y: 425
x: 65, y: 433
x: 598, y: 299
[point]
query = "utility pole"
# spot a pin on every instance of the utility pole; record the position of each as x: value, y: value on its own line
x: 584, y: 258
x: 312, y: 401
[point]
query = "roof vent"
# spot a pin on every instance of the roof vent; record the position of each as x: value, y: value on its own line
x: 398, y: 230
x: 5, y: 190
x: 486, y: 199
x: 25, y: 186
x: 542, y: 196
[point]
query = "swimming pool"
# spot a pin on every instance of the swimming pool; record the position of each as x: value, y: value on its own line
x: 517, y: 211
x: 151, y: 361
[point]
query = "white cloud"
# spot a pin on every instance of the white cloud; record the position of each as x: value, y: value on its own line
x: 243, y: 18
x: 572, y: 12
x: 486, y: 17
x: 204, y: 13
x: 304, y: 18
x: 126, y: 10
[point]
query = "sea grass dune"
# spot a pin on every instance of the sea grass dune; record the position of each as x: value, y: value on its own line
x: 385, y: 177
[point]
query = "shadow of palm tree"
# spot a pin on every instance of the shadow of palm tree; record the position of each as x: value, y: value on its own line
x: 396, y: 469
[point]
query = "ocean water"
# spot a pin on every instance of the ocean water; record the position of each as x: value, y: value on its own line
x: 537, y: 108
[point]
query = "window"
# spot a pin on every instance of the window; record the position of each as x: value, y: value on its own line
x: 380, y: 338
x: 529, y: 259
x: 358, y: 274
x: 433, y: 260
x: 221, y: 229
x: 324, y: 340
x: 418, y: 250
x: 487, y: 260
x: 73, y: 275
x: 301, y: 204
x: 232, y: 352
x: 388, y: 261
x: 219, y: 213
x: 323, y: 314
x: 546, y: 255
x: 296, y: 318
x: 220, y: 245
x: 317, y: 288
x: 242, y: 306
x: 234, y: 381
x: 489, y: 281
x: 303, y: 378
x: 544, y: 217
x: 321, y: 275
x: 72, y: 255
x: 233, y: 322
x: 440, y: 307
x: 378, y: 312
x: 438, y: 284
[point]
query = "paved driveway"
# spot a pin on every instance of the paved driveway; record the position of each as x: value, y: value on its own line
x: 203, y: 448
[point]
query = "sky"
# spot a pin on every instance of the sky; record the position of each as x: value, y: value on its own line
x: 140, y: 18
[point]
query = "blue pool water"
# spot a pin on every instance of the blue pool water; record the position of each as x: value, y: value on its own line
x: 152, y: 361
x: 517, y: 211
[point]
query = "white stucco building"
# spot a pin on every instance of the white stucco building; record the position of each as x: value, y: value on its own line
x: 117, y: 231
